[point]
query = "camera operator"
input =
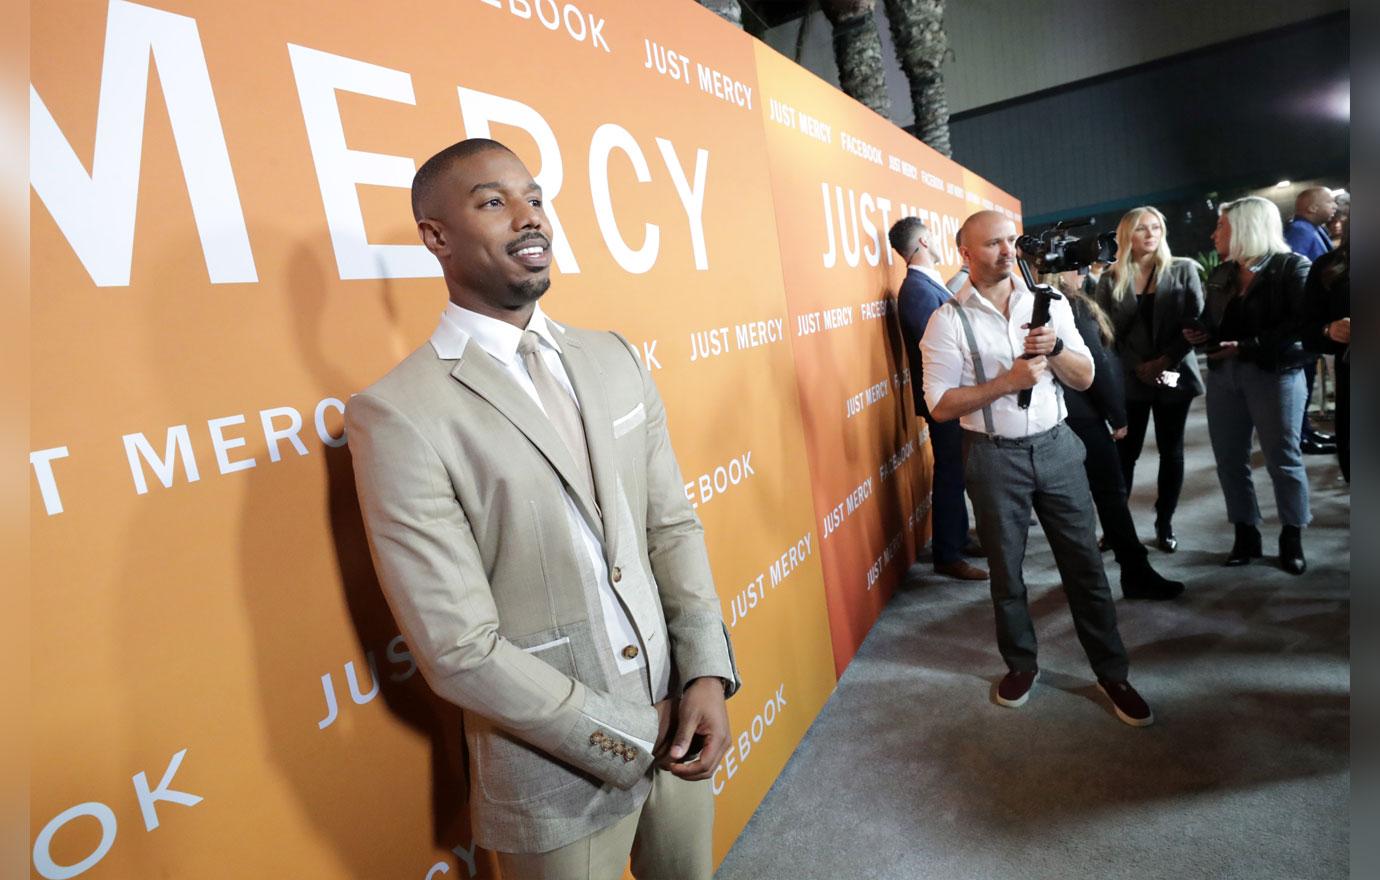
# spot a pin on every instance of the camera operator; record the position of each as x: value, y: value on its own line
x: 1090, y: 413
x: 1149, y: 294
x: 1253, y: 327
x: 1327, y: 330
x: 1018, y: 457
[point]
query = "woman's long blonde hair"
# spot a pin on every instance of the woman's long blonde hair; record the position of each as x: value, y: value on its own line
x: 1123, y: 272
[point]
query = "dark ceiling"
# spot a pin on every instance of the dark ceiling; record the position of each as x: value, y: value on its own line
x: 758, y: 15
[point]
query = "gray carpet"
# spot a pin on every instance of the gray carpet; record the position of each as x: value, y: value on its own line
x: 911, y: 771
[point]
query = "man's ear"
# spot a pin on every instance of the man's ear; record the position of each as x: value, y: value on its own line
x: 433, y: 236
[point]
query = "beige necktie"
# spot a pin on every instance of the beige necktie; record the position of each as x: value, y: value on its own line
x: 559, y: 405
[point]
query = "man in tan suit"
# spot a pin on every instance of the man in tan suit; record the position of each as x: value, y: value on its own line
x: 530, y: 530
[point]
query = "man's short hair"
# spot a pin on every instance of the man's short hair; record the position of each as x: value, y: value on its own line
x: 433, y: 169
x: 903, y: 232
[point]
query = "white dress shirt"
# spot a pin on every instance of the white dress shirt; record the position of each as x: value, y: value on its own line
x: 499, y: 340
x: 1001, y: 340
x: 932, y: 272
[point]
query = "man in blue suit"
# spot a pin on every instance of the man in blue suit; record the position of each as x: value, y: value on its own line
x: 1306, y: 232
x: 923, y: 292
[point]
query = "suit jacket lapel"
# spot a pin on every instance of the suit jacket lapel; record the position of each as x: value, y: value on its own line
x: 588, y: 380
x: 478, y: 372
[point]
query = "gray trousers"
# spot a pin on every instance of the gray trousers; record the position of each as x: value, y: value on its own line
x: 1005, y: 478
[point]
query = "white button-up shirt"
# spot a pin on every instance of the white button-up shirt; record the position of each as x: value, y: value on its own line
x: 500, y: 340
x: 930, y: 271
x: 1000, y: 340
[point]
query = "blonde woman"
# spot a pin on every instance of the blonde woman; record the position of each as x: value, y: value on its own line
x: 1098, y: 417
x: 1252, y: 329
x: 1148, y: 294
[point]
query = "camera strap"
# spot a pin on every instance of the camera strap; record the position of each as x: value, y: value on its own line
x: 979, y: 374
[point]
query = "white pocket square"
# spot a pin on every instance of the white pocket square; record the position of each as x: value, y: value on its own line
x: 625, y: 423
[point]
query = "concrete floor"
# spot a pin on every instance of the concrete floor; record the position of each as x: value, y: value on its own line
x: 911, y: 771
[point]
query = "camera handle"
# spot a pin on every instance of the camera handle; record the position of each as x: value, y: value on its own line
x: 1039, y: 316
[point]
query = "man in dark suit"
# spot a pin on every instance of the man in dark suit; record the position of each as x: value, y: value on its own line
x: 923, y: 292
x: 1306, y: 234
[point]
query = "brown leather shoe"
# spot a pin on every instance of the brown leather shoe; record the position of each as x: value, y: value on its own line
x: 961, y: 569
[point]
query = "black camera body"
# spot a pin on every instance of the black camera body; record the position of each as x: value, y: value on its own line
x: 1054, y: 250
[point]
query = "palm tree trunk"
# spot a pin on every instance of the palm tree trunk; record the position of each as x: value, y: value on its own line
x: 858, y: 51
x: 728, y: 10
x: 917, y: 29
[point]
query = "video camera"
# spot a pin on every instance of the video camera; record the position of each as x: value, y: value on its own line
x: 1057, y: 251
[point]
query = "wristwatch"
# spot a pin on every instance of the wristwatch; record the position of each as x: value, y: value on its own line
x: 1058, y: 347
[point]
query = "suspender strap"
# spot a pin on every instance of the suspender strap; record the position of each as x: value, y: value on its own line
x: 978, y: 372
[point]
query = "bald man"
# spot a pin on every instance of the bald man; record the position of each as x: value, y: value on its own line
x: 1307, y: 232
x: 1018, y: 459
x: 531, y: 534
x: 1307, y: 236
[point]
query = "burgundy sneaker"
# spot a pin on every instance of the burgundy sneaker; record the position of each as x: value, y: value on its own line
x: 1129, y: 705
x: 1014, y: 689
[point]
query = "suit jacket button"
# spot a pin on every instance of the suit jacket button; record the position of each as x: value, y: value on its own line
x: 616, y: 574
x: 630, y: 652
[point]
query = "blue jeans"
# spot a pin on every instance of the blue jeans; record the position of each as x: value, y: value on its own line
x: 1241, y: 399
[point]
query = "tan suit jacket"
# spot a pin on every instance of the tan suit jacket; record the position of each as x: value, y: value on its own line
x: 461, y: 479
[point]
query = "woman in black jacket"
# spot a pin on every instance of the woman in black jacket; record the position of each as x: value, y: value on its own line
x: 1148, y: 294
x: 1089, y: 414
x: 1253, y: 329
x: 1327, y: 330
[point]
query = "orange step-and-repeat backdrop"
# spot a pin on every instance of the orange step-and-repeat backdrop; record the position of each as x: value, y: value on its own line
x: 840, y: 178
x: 223, y: 251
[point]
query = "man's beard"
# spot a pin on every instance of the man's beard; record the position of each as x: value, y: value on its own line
x: 528, y: 291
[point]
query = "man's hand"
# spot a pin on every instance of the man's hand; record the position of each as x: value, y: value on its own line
x: 1039, y: 341
x: 1339, y: 331
x: 1025, y: 373
x: 1120, y: 433
x: 1196, y: 337
x: 701, y: 712
x: 1149, y: 371
x: 665, y: 717
x: 1228, y: 350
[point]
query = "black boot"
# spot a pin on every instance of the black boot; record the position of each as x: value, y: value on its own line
x: 1247, y: 546
x: 1140, y: 581
x: 1291, y: 550
x: 1164, y: 537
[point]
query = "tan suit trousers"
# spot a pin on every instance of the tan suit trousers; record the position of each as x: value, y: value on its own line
x: 669, y: 838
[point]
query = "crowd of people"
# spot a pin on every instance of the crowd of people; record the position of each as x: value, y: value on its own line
x: 1012, y: 410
